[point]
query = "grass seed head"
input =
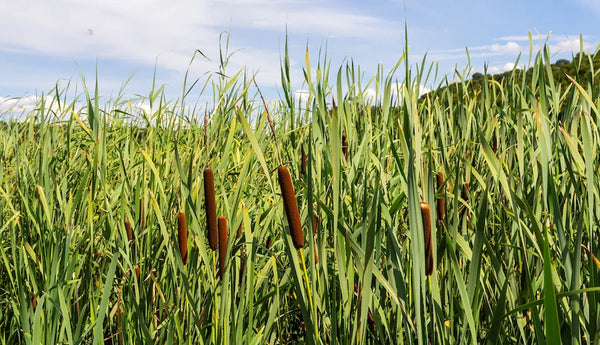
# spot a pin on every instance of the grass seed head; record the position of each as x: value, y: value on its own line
x: 291, y: 207
x: 426, y: 215
x: 182, y: 236
x: 211, y: 208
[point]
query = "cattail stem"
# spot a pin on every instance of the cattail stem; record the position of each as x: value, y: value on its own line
x: 182, y: 236
x: 223, y: 236
x: 291, y: 207
x: 426, y: 216
x: 211, y: 208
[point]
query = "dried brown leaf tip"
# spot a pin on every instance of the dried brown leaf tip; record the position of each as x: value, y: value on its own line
x: 291, y: 206
x: 210, y: 207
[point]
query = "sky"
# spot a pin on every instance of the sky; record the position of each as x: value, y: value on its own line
x: 134, y: 43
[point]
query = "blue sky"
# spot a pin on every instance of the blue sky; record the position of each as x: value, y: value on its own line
x: 45, y: 42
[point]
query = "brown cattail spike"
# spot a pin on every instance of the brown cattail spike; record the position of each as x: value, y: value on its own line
x: 239, y: 230
x: 182, y: 236
x: 441, y: 202
x: 464, y: 194
x: 269, y: 243
x: 371, y: 321
x: 137, y: 273
x: 345, y: 145
x: 426, y: 215
x: 129, y: 233
x: 291, y: 207
x: 316, y: 221
x: 303, y: 160
x: 142, y: 214
x: 211, y: 208
x: 223, y: 236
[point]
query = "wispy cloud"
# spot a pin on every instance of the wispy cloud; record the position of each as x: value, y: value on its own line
x: 141, y: 32
x: 512, y: 47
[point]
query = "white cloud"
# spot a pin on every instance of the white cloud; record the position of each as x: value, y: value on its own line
x: 510, y: 48
x: 140, y: 31
x: 301, y: 97
x: 13, y: 106
x: 496, y: 69
x: 557, y: 44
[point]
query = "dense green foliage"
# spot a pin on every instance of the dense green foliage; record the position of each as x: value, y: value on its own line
x: 513, y: 255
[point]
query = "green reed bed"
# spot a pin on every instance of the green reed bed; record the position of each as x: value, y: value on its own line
x: 103, y: 213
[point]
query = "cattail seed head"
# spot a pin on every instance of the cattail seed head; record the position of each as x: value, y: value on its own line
x: 316, y: 221
x: 137, y: 273
x: 464, y: 194
x: 182, y: 236
x: 441, y: 202
x: 142, y: 214
x: 269, y: 243
x: 239, y: 230
x: 291, y: 207
x: 223, y: 236
x: 345, y: 145
x: 34, y: 301
x: 303, y: 160
x: 129, y: 233
x: 211, y: 208
x: 426, y: 215
x: 371, y: 322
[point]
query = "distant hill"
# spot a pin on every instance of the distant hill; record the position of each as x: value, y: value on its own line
x: 583, y: 68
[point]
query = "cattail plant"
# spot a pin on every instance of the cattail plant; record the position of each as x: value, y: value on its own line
x: 303, y: 160
x: 239, y: 230
x: 464, y: 194
x: 211, y: 208
x: 426, y: 215
x: 316, y: 221
x: 128, y: 230
x: 345, y: 145
x: 269, y: 242
x: 222, y: 244
x: 287, y: 189
x: 142, y: 214
x: 137, y: 272
x: 441, y: 201
x: 291, y: 207
x: 371, y: 322
x: 182, y: 236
